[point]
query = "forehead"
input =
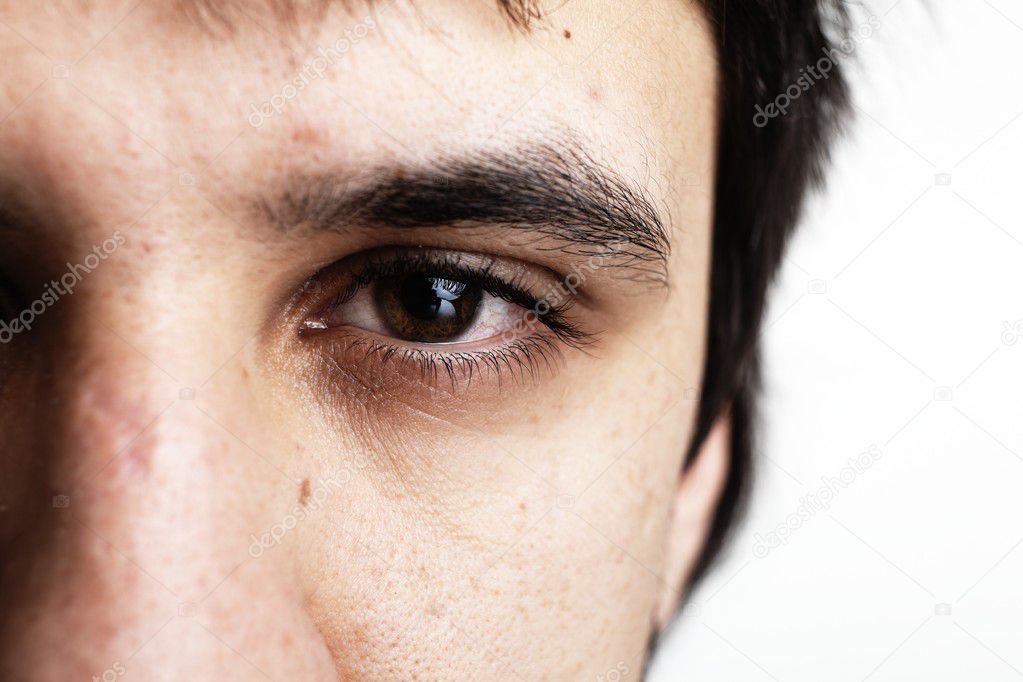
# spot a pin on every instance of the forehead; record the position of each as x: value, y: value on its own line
x: 95, y: 95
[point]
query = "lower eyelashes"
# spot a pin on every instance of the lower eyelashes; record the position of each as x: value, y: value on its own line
x: 377, y: 363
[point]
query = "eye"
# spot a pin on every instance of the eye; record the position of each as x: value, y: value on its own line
x: 428, y: 308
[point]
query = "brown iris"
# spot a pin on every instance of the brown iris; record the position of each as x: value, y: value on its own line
x: 426, y: 309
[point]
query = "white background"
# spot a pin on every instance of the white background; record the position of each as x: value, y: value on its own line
x: 915, y: 571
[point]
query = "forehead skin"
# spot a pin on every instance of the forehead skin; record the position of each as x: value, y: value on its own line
x: 516, y: 534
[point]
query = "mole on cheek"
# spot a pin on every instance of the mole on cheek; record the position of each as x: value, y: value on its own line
x: 568, y: 34
x: 303, y: 493
x: 307, y: 134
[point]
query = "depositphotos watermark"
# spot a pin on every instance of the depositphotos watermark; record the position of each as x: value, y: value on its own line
x: 565, y: 289
x: 315, y: 68
x: 312, y: 500
x: 325, y: 487
x: 1012, y: 332
x: 817, y: 501
x: 814, y: 73
x: 65, y: 286
x: 110, y: 674
x: 615, y: 674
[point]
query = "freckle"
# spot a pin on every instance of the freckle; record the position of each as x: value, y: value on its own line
x: 568, y: 34
x: 522, y: 506
x: 305, y: 133
x: 303, y: 495
x: 139, y: 453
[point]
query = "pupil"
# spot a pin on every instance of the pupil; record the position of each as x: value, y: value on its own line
x: 430, y: 298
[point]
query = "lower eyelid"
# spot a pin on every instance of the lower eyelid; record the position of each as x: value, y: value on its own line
x: 376, y: 363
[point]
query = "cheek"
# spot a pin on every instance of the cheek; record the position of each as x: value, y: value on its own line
x: 537, y: 527
x: 481, y: 588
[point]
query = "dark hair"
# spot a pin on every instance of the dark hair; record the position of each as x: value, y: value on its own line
x: 765, y: 167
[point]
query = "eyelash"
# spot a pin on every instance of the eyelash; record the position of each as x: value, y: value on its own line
x: 521, y: 357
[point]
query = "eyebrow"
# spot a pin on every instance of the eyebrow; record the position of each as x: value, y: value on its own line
x: 555, y: 193
x: 225, y: 13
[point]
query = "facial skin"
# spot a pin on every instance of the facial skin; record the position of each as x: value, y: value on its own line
x: 217, y: 461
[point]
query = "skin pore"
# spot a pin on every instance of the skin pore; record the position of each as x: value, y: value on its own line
x: 217, y: 463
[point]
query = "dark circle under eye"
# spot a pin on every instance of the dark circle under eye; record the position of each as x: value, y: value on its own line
x: 427, y: 309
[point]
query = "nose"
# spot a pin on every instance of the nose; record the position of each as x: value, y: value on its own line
x: 127, y: 521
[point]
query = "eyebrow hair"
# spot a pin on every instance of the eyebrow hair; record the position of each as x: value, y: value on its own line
x: 520, y: 13
x: 555, y: 192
